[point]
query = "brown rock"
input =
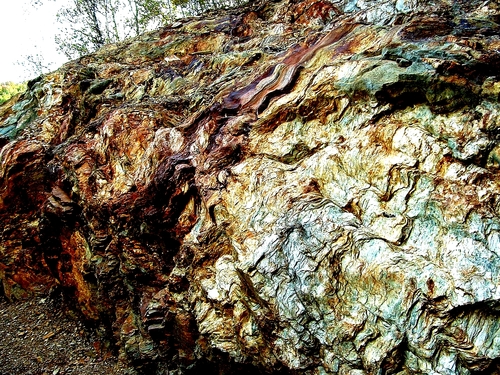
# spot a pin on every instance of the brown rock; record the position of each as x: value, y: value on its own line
x: 295, y: 186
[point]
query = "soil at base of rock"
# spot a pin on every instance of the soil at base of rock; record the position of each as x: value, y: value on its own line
x: 39, y: 338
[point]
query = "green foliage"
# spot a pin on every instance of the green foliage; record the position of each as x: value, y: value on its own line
x: 10, y: 89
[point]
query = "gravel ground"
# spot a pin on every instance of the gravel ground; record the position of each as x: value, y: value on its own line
x: 36, y: 338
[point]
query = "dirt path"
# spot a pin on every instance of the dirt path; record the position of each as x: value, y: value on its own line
x: 36, y: 338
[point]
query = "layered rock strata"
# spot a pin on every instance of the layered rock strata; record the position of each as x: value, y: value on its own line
x: 292, y: 187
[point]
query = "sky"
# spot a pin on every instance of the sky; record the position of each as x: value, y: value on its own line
x: 27, y: 30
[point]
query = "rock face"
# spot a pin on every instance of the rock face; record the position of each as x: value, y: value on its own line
x: 293, y: 187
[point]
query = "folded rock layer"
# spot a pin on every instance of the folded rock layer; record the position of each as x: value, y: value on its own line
x: 303, y: 187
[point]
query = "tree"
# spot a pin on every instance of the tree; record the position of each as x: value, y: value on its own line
x: 35, y: 64
x: 148, y: 14
x: 89, y: 24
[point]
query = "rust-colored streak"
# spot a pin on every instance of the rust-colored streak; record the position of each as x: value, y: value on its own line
x: 234, y: 100
x: 281, y: 75
x: 426, y: 27
x: 307, y: 52
x: 310, y: 10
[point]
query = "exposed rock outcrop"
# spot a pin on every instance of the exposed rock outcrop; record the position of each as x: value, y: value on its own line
x: 301, y: 187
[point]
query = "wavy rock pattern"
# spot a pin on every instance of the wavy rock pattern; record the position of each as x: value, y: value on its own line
x: 294, y: 187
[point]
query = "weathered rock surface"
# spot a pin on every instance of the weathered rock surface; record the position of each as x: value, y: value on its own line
x: 300, y: 187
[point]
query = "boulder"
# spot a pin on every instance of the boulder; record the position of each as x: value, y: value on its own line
x: 295, y: 187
